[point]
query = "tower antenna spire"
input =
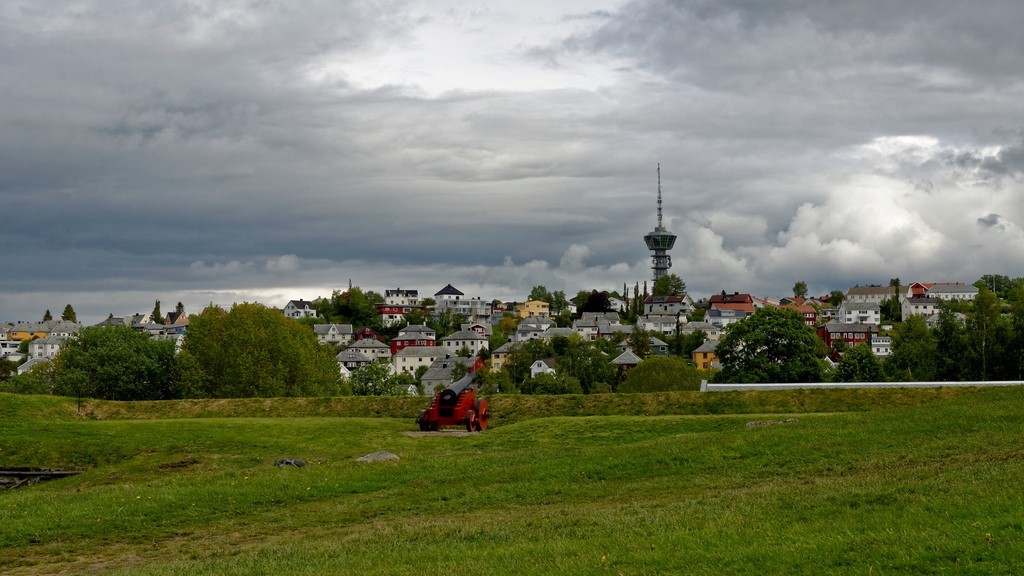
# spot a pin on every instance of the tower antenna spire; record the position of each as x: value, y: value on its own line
x: 660, y: 241
x: 660, y: 227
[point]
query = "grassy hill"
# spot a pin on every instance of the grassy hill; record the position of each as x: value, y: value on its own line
x: 845, y: 482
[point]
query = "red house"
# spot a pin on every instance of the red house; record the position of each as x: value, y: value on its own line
x: 852, y: 334
x: 734, y: 301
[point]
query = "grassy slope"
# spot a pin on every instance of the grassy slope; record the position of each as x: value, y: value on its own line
x: 926, y: 488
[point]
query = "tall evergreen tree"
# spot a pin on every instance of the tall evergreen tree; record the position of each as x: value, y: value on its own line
x: 156, y: 316
x: 950, y: 346
x: 913, y: 357
x: 69, y: 314
x: 983, y: 327
x: 47, y: 316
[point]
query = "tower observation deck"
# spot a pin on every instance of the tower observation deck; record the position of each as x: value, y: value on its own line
x: 660, y: 241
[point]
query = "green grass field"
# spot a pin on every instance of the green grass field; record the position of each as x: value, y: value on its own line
x: 862, y: 482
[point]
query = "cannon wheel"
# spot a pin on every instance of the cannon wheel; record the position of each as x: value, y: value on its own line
x: 483, y: 415
x: 472, y: 424
x: 424, y: 423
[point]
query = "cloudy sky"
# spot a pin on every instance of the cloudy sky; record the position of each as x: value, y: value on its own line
x: 266, y: 150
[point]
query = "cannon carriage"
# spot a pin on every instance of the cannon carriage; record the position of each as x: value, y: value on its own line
x: 456, y: 405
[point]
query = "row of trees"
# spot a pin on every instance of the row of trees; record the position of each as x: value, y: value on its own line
x: 249, y: 351
x: 983, y: 341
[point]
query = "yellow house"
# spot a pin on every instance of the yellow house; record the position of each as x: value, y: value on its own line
x: 533, y: 308
x: 704, y: 357
x: 27, y: 330
x: 500, y: 355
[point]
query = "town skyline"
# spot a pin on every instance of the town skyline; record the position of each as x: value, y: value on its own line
x: 259, y: 153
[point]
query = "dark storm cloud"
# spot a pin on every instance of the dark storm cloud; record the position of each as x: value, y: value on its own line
x: 991, y: 221
x: 217, y: 149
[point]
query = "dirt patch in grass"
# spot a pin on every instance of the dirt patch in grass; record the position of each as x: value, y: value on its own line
x: 419, y: 434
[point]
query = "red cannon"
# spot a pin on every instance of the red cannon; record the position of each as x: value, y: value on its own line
x: 456, y: 405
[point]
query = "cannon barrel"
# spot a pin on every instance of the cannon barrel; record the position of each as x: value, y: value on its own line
x: 450, y: 395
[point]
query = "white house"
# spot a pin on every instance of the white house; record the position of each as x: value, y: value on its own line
x: 953, y: 292
x: 46, y: 347
x: 662, y: 324
x: 710, y: 330
x: 465, y: 339
x: 300, y: 309
x: 333, y: 333
x: 881, y: 346
x: 374, y: 349
x: 925, y: 306
x: 352, y: 360
x: 452, y: 299
x: 544, y: 366
x: 668, y: 305
x: 409, y: 359
x: 722, y: 318
x: 860, y: 313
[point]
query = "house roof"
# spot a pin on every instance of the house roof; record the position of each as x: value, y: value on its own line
x: 326, y: 328
x: 734, y: 298
x: 707, y: 346
x: 850, y: 305
x: 552, y: 332
x: 873, y: 290
x: 953, y: 289
x: 351, y: 355
x: 837, y: 326
x: 442, y: 369
x: 300, y: 304
x: 417, y: 329
x: 463, y: 335
x: 449, y: 290
x: 370, y: 343
x: 504, y: 348
x: 434, y: 351
x: 627, y: 358
x: 664, y: 300
x: 697, y: 325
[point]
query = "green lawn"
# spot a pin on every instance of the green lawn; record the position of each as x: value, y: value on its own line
x: 911, y: 483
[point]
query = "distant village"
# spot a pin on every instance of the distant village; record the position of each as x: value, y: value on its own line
x: 419, y: 349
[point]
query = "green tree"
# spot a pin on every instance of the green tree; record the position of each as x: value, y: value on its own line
x: 895, y: 303
x: 597, y: 302
x: 950, y: 346
x: 156, y: 316
x: 983, y: 332
x: 639, y: 341
x: 661, y: 374
x: 1015, y: 345
x: 47, y: 316
x: 684, y: 345
x: 540, y: 293
x: 913, y: 356
x: 835, y: 298
x: 114, y: 363
x: 584, y: 362
x: 997, y: 283
x: 800, y: 289
x: 69, y: 314
x: 552, y: 384
x: 559, y: 303
x: 254, y: 351
x: 494, y: 382
x: 772, y: 345
x: 7, y: 369
x: 859, y: 364
x: 375, y: 379
x: 669, y: 285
